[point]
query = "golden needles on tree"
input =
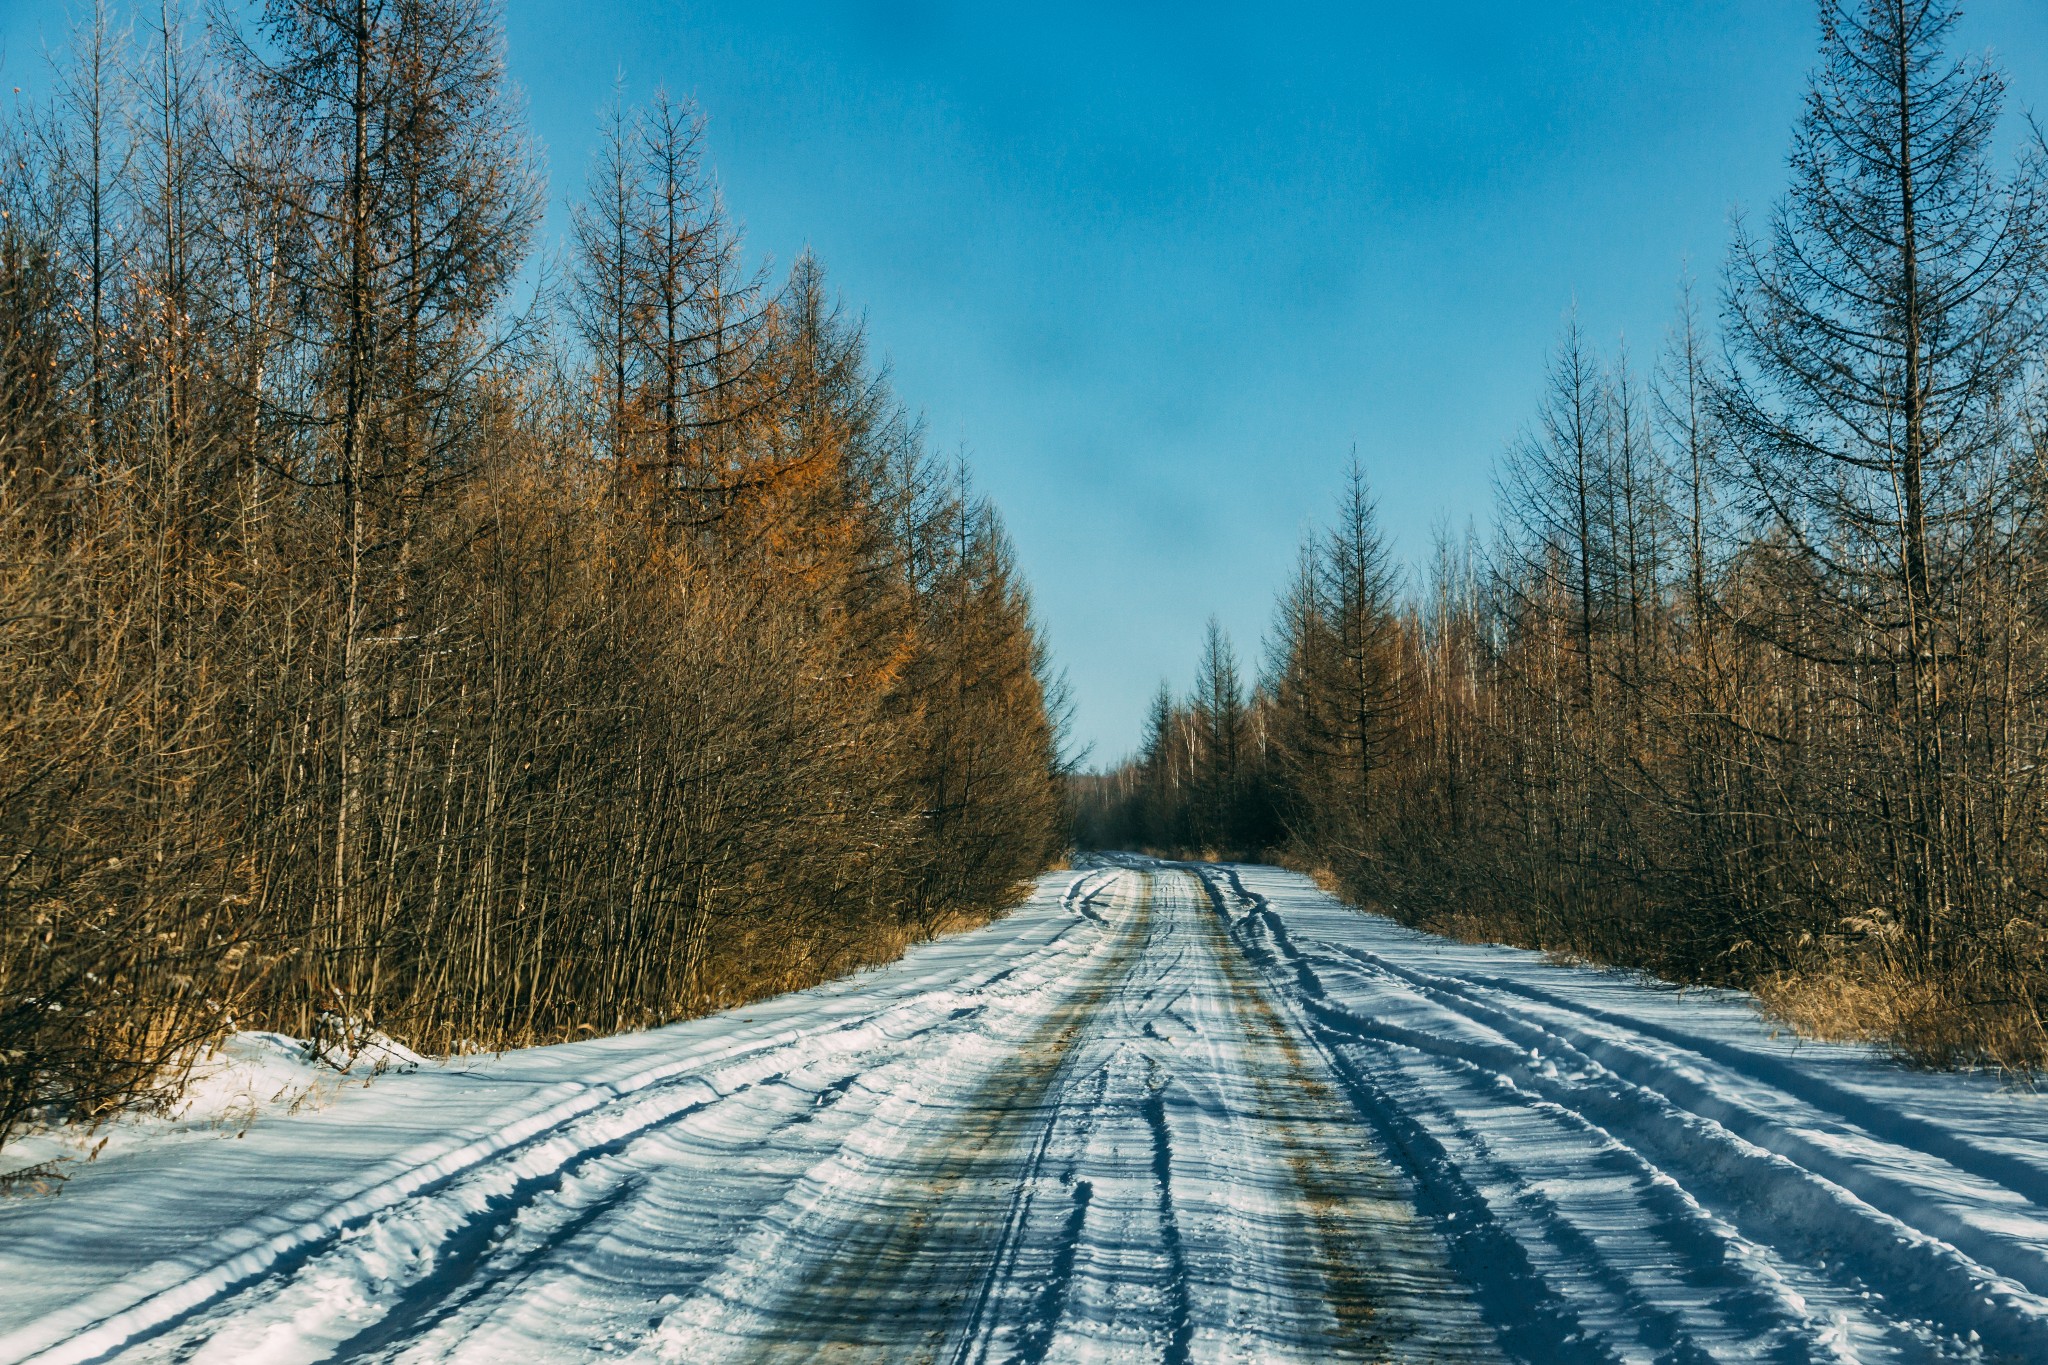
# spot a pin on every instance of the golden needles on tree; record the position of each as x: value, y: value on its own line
x: 381, y: 654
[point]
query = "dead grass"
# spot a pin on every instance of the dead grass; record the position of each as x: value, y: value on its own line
x: 45, y: 1177
x: 1834, y: 1007
x: 1967, y: 1024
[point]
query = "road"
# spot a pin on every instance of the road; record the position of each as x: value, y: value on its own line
x: 1163, y: 1112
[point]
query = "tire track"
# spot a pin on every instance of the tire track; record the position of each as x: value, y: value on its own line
x: 454, y: 1193
x: 1635, y: 1065
x: 1515, y: 1104
x: 883, y: 1256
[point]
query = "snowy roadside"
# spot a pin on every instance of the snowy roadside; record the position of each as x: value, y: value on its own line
x: 1658, y: 1170
x: 248, y: 1076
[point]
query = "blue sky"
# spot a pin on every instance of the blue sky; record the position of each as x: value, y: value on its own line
x: 1158, y: 267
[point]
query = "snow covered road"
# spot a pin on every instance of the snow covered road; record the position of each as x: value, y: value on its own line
x: 1162, y: 1112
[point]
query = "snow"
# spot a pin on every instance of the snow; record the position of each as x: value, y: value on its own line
x: 1161, y: 1112
x: 249, y: 1075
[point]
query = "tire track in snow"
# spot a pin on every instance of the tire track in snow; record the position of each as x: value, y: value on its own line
x: 1152, y: 1170
x: 1551, y: 1289
x: 1769, y: 1195
x: 1818, y: 1232
x: 1301, y: 1107
x: 878, y: 1256
x: 1530, y: 1319
x: 1856, y: 1166
x: 436, y: 1196
x: 1273, y: 1227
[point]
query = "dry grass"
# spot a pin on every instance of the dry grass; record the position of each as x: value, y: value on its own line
x: 1966, y: 1023
x: 1831, y: 1006
x: 45, y: 1177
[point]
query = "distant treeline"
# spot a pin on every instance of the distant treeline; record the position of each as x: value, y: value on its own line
x: 398, y: 632
x: 1750, y: 685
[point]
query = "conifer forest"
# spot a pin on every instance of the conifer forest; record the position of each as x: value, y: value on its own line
x: 406, y: 634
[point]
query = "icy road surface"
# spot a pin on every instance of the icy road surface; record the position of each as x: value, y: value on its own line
x: 1161, y: 1113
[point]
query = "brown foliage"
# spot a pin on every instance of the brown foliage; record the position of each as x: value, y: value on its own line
x: 377, y: 663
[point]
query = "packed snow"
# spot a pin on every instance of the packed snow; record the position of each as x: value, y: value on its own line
x: 1163, y: 1112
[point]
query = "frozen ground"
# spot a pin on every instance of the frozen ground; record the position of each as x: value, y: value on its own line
x: 1160, y: 1113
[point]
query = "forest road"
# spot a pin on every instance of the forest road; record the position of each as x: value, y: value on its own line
x: 1163, y: 1112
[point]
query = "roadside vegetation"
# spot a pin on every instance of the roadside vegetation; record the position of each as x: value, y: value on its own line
x: 1749, y: 685
x: 400, y: 636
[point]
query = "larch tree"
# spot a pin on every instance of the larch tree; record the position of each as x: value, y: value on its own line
x: 1881, y: 326
x: 417, y: 195
x: 1359, y: 677
x: 1220, y: 730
